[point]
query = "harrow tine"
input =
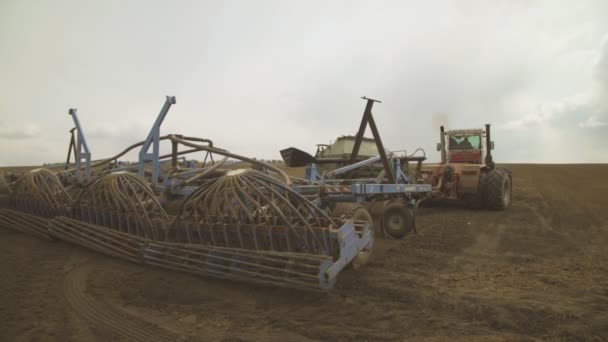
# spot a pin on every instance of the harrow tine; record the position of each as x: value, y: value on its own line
x: 284, y: 269
x: 24, y: 223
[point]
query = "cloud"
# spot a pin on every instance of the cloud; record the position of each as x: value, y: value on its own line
x: 592, y: 122
x: 132, y: 131
x: 589, y: 103
x: 553, y: 111
x: 257, y: 78
x: 19, y: 132
x: 601, y: 66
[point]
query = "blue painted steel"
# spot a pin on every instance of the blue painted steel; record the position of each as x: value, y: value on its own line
x: 355, y: 166
x: 373, y: 189
x: 400, y: 177
x: 357, y: 192
x: 312, y: 173
x: 326, y: 280
x: 82, y: 149
x: 359, y: 188
x: 350, y: 246
x: 154, y: 140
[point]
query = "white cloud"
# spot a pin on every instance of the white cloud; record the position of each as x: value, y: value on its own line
x: 592, y: 122
x: 259, y: 77
x: 553, y: 111
x: 589, y: 102
x: 17, y: 131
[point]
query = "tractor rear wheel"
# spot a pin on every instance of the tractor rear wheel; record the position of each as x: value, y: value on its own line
x: 498, y: 190
x: 398, y: 220
x: 476, y: 200
x: 355, y: 212
x: 507, y: 172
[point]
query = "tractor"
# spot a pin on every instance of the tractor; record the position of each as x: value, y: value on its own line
x: 467, y: 171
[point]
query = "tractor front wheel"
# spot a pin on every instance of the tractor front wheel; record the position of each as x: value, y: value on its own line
x: 498, y: 190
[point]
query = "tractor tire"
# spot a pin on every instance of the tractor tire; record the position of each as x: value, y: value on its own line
x: 498, y: 190
x: 398, y: 220
x: 476, y: 201
x: 355, y: 212
x: 507, y: 172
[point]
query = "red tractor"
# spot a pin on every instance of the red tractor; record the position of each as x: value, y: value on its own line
x: 467, y: 171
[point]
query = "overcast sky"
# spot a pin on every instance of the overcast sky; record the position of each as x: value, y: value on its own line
x: 259, y: 76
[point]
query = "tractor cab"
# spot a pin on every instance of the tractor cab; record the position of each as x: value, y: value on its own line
x: 464, y: 146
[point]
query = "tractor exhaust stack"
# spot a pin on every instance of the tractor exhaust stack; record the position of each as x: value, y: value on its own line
x: 442, y: 143
x: 489, y: 162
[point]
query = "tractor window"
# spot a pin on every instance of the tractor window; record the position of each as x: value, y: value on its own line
x: 465, y: 142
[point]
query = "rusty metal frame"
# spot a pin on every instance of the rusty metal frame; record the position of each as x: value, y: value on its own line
x: 368, y: 118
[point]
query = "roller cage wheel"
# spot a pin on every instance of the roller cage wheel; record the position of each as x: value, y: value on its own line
x: 398, y: 220
x: 498, y: 189
x: 354, y: 211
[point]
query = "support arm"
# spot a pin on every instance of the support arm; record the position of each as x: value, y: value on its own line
x: 82, y: 149
x: 154, y: 140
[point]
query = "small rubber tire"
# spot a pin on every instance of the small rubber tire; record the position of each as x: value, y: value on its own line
x: 398, y: 220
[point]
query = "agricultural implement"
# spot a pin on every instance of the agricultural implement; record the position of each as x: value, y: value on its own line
x: 376, y: 186
x: 253, y: 225
x: 467, y: 171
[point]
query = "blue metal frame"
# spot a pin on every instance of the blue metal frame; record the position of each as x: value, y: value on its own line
x: 354, y: 166
x: 154, y: 140
x: 351, y: 244
x: 400, y: 177
x: 82, y: 149
x: 311, y: 173
x: 360, y: 188
x: 374, y: 189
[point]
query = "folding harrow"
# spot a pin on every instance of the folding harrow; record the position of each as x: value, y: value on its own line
x: 245, y: 224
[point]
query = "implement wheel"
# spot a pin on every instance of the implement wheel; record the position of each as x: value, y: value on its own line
x: 398, y: 220
x: 355, y: 212
x: 498, y: 189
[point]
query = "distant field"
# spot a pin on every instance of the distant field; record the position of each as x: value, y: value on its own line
x: 538, y: 270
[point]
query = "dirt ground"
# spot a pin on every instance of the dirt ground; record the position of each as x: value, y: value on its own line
x: 538, y: 271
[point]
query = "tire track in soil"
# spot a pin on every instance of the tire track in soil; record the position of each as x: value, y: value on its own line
x: 32, y: 305
x: 99, y: 315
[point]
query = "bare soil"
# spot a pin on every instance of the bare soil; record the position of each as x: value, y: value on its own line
x: 538, y: 271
